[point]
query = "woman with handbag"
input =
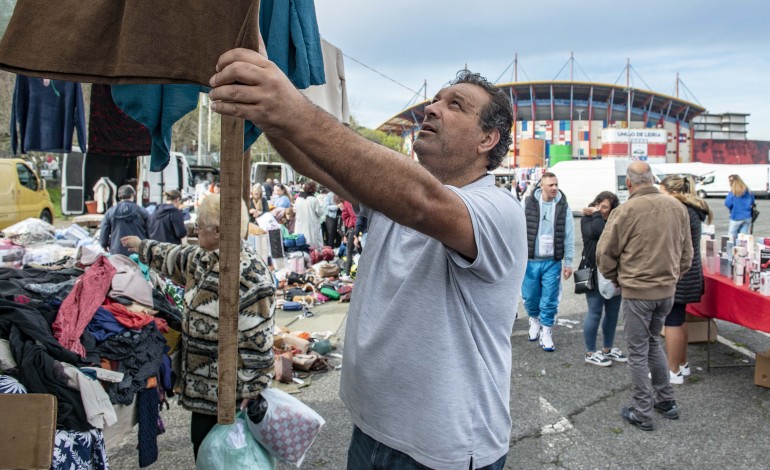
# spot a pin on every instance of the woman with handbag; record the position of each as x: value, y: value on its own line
x: 690, y: 287
x: 592, y: 225
x: 739, y: 202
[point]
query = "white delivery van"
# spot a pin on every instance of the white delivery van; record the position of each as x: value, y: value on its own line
x: 80, y: 172
x: 151, y: 184
x: 715, y: 182
x: 280, y: 171
x: 582, y: 180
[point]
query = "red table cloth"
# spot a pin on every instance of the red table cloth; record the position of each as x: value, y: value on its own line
x: 737, y: 304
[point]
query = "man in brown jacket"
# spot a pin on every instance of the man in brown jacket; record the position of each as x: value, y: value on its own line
x: 645, y: 248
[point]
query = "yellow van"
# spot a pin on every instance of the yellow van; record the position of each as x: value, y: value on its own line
x: 22, y: 193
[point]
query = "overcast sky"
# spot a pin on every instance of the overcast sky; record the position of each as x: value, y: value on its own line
x: 720, y: 49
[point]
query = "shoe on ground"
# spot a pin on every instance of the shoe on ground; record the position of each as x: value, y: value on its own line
x: 534, y: 328
x: 546, y: 339
x: 676, y: 379
x: 616, y: 355
x: 629, y: 415
x: 668, y: 409
x: 597, y: 358
x: 685, y: 369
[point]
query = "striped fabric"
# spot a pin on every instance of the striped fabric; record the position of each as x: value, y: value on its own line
x: 198, y: 271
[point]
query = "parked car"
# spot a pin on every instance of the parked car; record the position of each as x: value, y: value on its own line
x: 23, y: 194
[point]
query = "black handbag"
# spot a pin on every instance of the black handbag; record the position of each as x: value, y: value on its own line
x: 754, y: 213
x: 584, y: 280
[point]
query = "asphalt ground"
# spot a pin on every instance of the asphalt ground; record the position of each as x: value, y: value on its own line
x: 566, y: 412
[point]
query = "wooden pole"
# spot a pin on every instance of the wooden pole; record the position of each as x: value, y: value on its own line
x: 231, y: 194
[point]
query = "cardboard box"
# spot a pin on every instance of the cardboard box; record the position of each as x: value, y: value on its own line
x: 29, y: 425
x: 762, y: 369
x: 698, y: 329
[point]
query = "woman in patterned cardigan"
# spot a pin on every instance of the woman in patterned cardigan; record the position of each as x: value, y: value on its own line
x: 197, y: 269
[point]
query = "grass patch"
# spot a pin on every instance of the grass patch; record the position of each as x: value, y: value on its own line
x: 55, y: 193
x: 617, y: 430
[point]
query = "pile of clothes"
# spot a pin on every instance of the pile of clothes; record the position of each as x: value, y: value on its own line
x: 97, y: 333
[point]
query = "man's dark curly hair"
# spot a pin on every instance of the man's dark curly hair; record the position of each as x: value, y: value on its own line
x: 498, y: 114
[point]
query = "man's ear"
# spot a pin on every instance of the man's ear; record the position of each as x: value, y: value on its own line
x: 489, y: 141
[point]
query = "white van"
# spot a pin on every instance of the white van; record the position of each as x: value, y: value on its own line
x: 80, y: 172
x: 275, y: 171
x: 582, y: 180
x: 151, y: 185
x: 715, y: 182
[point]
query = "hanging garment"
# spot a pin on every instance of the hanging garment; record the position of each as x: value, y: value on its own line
x: 46, y: 112
x: 147, y: 414
x: 332, y: 96
x: 79, y: 307
x: 104, y: 191
x: 96, y: 403
x: 290, y: 31
x: 111, y: 131
x: 126, y: 41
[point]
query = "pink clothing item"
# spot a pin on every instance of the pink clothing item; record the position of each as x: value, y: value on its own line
x: 79, y: 307
x: 129, y: 281
x: 126, y: 317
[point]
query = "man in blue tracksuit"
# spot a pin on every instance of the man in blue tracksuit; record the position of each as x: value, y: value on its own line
x: 551, y: 241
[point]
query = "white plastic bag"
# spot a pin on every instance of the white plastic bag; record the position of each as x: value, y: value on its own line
x: 607, y: 289
x: 30, y: 232
x: 289, y: 427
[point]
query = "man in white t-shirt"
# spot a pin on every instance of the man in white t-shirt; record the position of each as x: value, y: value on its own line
x: 440, y: 273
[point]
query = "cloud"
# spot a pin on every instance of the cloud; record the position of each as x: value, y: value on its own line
x: 718, y: 50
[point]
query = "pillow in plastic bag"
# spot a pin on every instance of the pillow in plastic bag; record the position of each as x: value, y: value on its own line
x: 289, y: 427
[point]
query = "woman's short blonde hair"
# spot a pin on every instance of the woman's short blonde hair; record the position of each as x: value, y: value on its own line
x: 208, y: 213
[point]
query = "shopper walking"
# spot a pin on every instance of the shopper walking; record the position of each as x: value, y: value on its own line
x: 739, y: 202
x: 167, y: 222
x: 551, y: 242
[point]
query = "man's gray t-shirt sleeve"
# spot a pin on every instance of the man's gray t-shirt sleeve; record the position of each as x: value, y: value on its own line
x: 497, y: 218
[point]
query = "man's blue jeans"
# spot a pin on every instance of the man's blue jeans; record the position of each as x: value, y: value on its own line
x: 540, y: 290
x: 366, y: 453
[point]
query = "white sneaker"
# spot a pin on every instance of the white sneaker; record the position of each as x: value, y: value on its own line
x: 598, y: 359
x: 676, y: 379
x: 685, y: 369
x: 616, y: 355
x: 534, y: 328
x: 546, y: 339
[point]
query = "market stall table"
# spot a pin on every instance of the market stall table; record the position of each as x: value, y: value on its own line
x: 724, y: 300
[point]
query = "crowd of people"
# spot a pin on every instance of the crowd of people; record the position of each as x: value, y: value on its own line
x: 450, y: 256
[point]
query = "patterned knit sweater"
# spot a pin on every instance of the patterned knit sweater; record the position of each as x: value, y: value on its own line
x: 198, y: 271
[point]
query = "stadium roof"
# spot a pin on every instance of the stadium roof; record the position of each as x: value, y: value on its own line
x: 569, y: 100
